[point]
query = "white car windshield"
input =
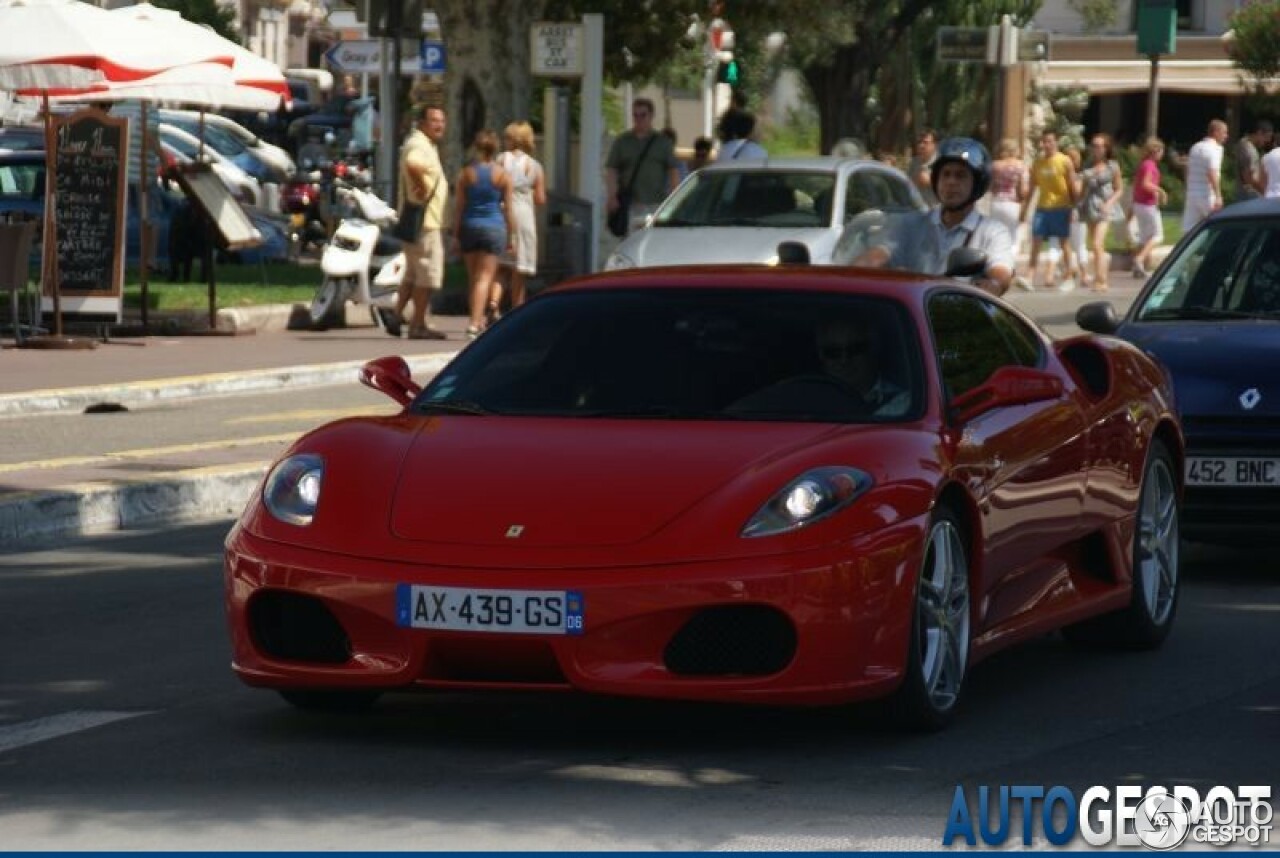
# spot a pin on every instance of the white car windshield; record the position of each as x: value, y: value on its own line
x: 761, y: 198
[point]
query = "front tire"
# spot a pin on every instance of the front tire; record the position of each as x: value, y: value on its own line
x: 1153, y: 603
x: 329, y: 302
x: 938, y: 656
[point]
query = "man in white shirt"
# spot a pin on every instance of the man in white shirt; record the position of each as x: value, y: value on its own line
x: 1271, y: 173
x: 1204, y: 176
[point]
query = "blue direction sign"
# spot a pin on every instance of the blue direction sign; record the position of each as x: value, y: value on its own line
x: 432, y: 57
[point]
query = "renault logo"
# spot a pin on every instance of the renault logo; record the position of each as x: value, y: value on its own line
x: 514, y: 531
x: 1250, y: 399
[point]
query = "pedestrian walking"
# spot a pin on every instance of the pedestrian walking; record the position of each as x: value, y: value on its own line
x: 920, y: 167
x: 1010, y: 187
x: 1271, y: 173
x: 484, y: 224
x: 736, y: 127
x: 422, y: 182
x: 528, y: 191
x: 1053, y: 177
x: 1204, y: 176
x: 1148, y: 196
x: 640, y: 170
x: 1251, y: 183
x: 1102, y: 185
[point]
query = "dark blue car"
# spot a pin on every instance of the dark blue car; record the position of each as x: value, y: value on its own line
x: 1211, y: 315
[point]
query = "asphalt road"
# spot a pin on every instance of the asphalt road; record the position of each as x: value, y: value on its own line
x: 121, y: 727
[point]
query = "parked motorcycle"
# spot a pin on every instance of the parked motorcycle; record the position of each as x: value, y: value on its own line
x: 301, y: 198
x: 362, y: 262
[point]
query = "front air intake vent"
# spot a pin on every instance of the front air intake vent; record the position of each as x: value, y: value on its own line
x: 732, y: 640
x: 296, y: 627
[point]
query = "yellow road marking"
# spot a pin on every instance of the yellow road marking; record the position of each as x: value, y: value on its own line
x: 154, y: 452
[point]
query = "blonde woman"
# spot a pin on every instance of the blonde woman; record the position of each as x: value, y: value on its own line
x: 1148, y: 196
x: 1010, y: 187
x: 484, y: 226
x: 1101, y: 185
x: 528, y: 191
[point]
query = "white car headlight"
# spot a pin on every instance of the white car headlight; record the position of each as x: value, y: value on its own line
x: 292, y: 489
x: 810, y: 497
x: 617, y: 261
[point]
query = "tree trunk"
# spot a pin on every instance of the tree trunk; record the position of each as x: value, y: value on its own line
x: 840, y: 91
x: 488, y: 83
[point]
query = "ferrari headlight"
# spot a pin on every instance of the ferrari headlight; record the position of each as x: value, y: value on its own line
x: 810, y: 497
x: 618, y: 261
x: 292, y: 489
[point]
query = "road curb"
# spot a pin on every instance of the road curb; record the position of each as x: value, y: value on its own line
x: 95, y: 508
x: 73, y: 399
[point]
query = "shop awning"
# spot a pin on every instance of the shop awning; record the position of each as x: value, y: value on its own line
x: 1208, y: 77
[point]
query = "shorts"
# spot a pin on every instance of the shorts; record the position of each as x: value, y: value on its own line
x: 1150, y: 223
x: 483, y: 239
x: 1051, y: 223
x: 424, y: 261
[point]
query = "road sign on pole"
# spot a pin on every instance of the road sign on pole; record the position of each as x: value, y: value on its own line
x: 362, y: 56
x: 967, y: 44
x: 432, y: 57
x: 556, y: 49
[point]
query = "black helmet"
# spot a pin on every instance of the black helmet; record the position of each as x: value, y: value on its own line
x: 969, y: 152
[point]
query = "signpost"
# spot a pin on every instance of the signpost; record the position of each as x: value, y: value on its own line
x: 556, y: 49
x: 432, y: 57
x: 968, y: 44
x: 363, y: 56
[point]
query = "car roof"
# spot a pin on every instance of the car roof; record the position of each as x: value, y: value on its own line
x: 822, y: 163
x: 1248, y: 208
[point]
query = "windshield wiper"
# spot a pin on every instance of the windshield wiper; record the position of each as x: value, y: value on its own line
x: 1195, y: 313
x: 456, y: 406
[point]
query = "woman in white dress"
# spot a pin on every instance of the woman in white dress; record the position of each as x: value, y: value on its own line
x: 528, y: 190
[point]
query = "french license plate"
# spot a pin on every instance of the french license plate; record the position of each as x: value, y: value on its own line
x: 465, y: 609
x: 1233, y: 471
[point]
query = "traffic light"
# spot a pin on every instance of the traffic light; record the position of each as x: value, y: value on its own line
x: 729, y: 71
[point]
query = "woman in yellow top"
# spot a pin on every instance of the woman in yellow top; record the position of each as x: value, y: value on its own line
x: 1054, y: 179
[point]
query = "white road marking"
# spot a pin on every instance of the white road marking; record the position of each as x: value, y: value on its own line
x: 30, y: 732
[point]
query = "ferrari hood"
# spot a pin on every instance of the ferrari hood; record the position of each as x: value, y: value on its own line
x: 1218, y: 369
x: 550, y: 483
x: 711, y: 245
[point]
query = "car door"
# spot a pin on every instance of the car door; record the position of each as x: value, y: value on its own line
x: 1024, y: 464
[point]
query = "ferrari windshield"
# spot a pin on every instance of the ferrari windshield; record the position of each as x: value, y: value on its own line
x: 763, y: 197
x: 1228, y: 270
x: 691, y: 354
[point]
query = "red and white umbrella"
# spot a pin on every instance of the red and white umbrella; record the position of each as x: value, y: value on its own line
x: 254, y: 83
x: 64, y: 47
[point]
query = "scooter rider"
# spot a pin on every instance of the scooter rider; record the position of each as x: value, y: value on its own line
x: 960, y: 175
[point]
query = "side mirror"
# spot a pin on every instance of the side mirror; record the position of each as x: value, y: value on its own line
x: 966, y: 262
x: 1009, y: 385
x: 1098, y: 317
x: 391, y: 376
x: 793, y: 253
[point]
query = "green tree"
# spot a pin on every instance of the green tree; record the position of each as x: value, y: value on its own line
x: 1255, y: 43
x: 858, y: 52
x: 209, y: 12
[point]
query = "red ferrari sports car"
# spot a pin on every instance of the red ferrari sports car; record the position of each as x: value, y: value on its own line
x: 768, y: 485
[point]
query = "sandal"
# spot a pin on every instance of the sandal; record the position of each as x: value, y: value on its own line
x: 492, y: 314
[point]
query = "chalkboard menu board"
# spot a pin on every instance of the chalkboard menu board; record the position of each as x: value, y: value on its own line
x: 91, y: 151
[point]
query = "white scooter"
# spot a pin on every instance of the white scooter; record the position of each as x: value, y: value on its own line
x: 357, y: 247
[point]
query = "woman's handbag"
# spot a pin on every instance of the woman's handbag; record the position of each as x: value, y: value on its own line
x: 409, y: 222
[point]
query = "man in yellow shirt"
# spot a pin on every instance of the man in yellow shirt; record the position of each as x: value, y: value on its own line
x: 422, y: 180
x: 1054, y: 177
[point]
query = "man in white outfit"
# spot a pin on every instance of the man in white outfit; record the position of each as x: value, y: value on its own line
x: 1271, y: 173
x: 1204, y: 176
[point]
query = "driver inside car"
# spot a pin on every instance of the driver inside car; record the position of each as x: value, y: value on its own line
x: 848, y: 351
x: 921, y: 241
